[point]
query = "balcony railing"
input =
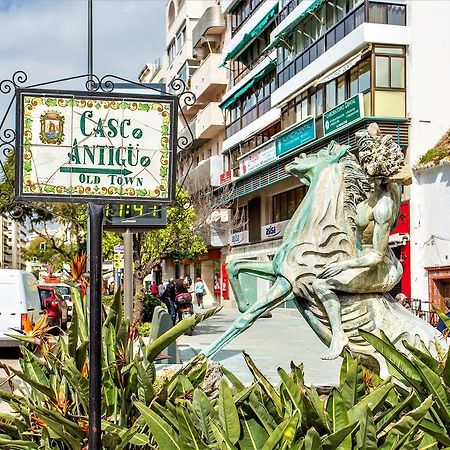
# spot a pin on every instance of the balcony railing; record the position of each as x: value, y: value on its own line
x: 383, y: 13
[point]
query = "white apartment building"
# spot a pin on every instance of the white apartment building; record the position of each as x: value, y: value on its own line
x: 294, y: 65
x: 13, y: 240
x: 195, y: 34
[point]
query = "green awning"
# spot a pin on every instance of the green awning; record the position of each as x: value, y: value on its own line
x: 315, y: 4
x: 247, y: 85
x: 248, y: 37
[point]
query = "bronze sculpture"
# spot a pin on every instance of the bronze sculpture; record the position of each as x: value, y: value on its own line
x: 334, y: 261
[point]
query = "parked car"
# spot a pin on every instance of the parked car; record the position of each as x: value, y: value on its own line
x: 54, y: 305
x: 19, y: 300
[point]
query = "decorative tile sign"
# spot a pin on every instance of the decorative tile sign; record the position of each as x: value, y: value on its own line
x: 296, y: 136
x: 83, y: 146
x: 344, y: 114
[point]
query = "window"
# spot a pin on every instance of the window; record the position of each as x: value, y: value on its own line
x: 181, y: 39
x: 285, y: 204
x: 389, y: 68
x: 240, y: 218
x: 171, y: 51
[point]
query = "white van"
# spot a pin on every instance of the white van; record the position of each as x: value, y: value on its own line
x: 19, y: 297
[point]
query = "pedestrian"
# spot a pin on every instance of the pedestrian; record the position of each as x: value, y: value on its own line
x: 170, y: 290
x: 199, y: 291
x: 154, y: 288
x: 440, y: 326
x: 161, y: 290
x: 217, y: 289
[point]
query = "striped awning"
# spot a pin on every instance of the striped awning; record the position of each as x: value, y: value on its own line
x: 289, y: 28
x: 247, y: 86
x: 248, y: 37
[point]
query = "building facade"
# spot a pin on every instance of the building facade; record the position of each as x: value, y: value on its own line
x: 13, y: 240
x: 300, y: 74
x: 195, y: 38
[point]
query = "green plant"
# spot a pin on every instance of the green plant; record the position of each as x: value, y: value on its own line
x: 434, y: 155
x: 145, y: 329
x: 149, y: 303
x: 52, y: 410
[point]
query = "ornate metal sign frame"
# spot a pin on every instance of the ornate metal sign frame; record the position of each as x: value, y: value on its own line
x: 45, y: 103
x: 94, y: 85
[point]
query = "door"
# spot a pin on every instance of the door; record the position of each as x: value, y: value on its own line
x: 254, y: 220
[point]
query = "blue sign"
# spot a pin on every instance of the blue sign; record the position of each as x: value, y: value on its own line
x: 301, y: 134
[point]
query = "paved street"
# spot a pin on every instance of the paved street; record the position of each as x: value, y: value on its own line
x: 272, y: 343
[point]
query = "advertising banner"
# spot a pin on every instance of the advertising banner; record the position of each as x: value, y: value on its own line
x: 84, y: 146
x: 257, y: 159
x: 273, y: 230
x: 241, y: 237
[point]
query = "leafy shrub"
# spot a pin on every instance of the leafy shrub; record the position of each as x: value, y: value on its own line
x: 434, y: 155
x: 145, y: 329
x: 149, y: 303
x: 52, y: 412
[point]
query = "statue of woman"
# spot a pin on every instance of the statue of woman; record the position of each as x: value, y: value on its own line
x: 375, y: 269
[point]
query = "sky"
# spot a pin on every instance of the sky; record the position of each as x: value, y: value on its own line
x: 48, y: 38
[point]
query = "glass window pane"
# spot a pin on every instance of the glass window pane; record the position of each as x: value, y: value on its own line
x: 390, y: 50
x: 276, y: 209
x: 319, y: 102
x: 364, y: 76
x: 397, y: 72
x: 330, y: 96
x: 283, y: 206
x: 353, y: 81
x: 340, y: 89
x: 382, y: 71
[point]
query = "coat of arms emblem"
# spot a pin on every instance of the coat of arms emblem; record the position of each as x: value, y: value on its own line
x: 52, y: 128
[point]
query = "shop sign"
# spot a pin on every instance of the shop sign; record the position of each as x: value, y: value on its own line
x: 238, y: 238
x: 273, y: 230
x: 257, y: 159
x: 90, y: 146
x: 301, y: 134
x: 225, y: 177
x: 344, y: 114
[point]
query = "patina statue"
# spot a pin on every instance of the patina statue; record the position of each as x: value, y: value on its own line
x: 334, y: 261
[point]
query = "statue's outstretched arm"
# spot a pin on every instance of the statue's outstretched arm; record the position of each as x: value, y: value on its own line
x: 382, y: 218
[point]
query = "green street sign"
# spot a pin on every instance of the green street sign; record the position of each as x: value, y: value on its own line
x: 343, y: 114
x: 295, y: 137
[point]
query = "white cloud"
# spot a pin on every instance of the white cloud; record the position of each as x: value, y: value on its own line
x: 48, y: 39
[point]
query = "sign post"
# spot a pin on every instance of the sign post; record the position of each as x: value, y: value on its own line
x: 98, y: 148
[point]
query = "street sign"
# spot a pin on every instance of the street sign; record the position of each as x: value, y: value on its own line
x: 85, y: 146
x: 119, y: 248
x: 344, y: 114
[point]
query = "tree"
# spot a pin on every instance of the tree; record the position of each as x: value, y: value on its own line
x: 179, y: 239
x: 61, y: 226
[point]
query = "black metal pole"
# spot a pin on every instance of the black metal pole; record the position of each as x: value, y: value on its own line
x: 95, y: 325
x: 90, y: 41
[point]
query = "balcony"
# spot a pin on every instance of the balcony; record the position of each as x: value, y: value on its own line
x: 209, y: 78
x: 209, y: 28
x: 373, y: 12
x: 185, y: 133
x: 209, y: 121
x: 206, y: 174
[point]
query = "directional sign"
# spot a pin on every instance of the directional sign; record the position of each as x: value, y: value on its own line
x: 83, y: 146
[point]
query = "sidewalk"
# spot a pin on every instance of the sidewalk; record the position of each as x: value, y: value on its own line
x: 271, y: 343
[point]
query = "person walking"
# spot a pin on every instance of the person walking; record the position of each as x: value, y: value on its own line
x: 154, y: 289
x: 217, y: 289
x: 199, y: 291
